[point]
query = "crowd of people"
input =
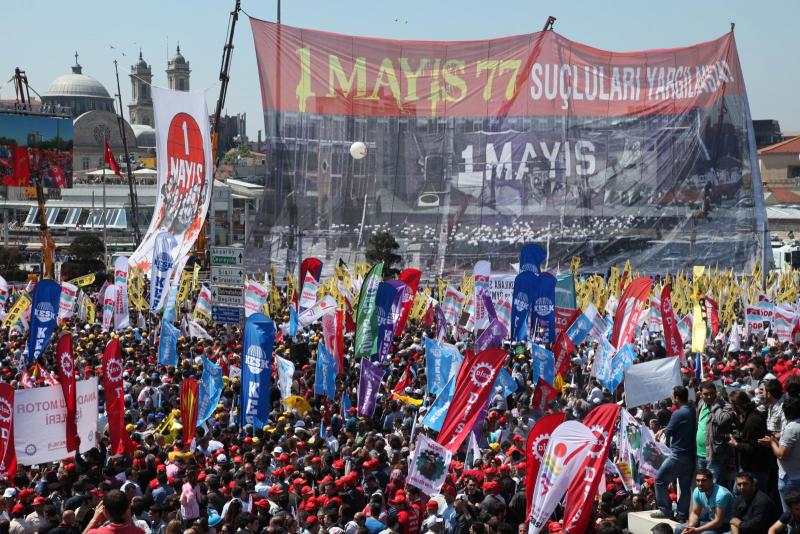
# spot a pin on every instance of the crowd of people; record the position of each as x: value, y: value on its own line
x: 733, y: 434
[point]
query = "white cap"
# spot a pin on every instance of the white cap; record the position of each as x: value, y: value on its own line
x: 10, y: 493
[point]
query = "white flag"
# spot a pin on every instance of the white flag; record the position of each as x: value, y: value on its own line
x: 429, y: 466
x: 285, y: 376
x: 322, y: 307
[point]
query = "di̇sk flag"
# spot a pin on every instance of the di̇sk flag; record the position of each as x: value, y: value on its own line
x: 8, y: 453
x: 121, y: 442
x: 629, y: 310
x: 535, y: 449
x: 474, y: 385
x: 672, y: 336
x: 411, y: 278
x: 583, y: 488
x: 66, y: 377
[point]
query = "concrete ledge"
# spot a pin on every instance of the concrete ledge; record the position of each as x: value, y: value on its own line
x: 642, y: 523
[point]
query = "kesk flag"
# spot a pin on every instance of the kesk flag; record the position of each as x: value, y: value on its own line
x: 531, y: 257
x: 474, y: 386
x: 368, y: 386
x: 121, y: 314
x: 542, y: 303
x: 185, y: 173
x: 189, y: 408
x: 543, y: 364
x: 121, y: 442
x: 66, y: 377
x: 535, y: 449
x: 569, y: 446
x: 44, y: 312
x: 672, y: 336
x: 524, y: 287
x: 411, y: 278
x: 429, y: 465
x: 388, y: 304
x: 8, y: 453
x: 168, y: 344
x: 209, y: 391
x: 163, y: 263
x: 366, y: 318
x: 259, y: 337
x: 66, y: 304
x: 583, y: 488
x: 631, y: 305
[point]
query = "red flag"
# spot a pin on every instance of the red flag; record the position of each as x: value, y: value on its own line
x: 629, y: 310
x: 672, y: 336
x: 429, y: 319
x: 309, y: 265
x: 121, y: 442
x: 404, y: 382
x: 66, y: 376
x: 538, y: 438
x: 338, y: 342
x: 712, y: 315
x: 564, y: 318
x: 349, y: 323
x: 474, y: 385
x: 542, y: 394
x: 22, y: 167
x: 112, y: 163
x: 8, y: 454
x: 410, y: 277
x: 189, y: 391
x: 583, y: 488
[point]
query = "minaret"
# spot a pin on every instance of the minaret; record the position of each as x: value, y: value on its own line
x: 141, y: 106
x: 178, y: 72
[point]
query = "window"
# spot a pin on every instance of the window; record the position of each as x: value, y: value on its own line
x: 85, y: 164
x: 793, y: 171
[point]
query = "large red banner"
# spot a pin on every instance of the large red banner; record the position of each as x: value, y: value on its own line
x: 535, y: 448
x: 672, y: 336
x: 66, y: 377
x: 8, y: 453
x: 190, y: 389
x: 474, y: 384
x: 629, y: 310
x: 541, y: 73
x: 121, y: 442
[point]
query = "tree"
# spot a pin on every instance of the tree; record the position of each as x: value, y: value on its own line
x: 86, y: 255
x: 10, y: 258
x: 381, y: 247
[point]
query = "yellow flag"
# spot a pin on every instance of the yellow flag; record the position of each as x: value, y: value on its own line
x: 195, y: 277
x: 90, y: 312
x: 83, y: 281
x: 295, y: 402
x: 184, y: 286
x: 698, y: 329
x: 17, y: 310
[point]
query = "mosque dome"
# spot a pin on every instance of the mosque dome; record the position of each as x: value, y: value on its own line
x: 145, y: 135
x: 178, y: 58
x: 76, y: 84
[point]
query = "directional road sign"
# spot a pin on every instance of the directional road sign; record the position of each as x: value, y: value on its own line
x: 227, y: 256
x: 226, y: 314
x: 227, y: 295
x: 227, y: 276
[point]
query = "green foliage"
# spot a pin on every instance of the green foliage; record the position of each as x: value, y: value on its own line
x: 86, y: 255
x: 381, y: 247
x: 10, y: 258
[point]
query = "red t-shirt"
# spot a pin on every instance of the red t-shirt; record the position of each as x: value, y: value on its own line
x: 409, y: 521
x: 116, y: 528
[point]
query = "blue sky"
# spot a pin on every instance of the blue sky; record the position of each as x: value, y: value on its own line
x: 45, y: 34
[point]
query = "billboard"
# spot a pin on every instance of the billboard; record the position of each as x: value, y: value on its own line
x: 35, y: 147
x: 475, y: 147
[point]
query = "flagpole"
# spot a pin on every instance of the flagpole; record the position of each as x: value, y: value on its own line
x: 105, y: 229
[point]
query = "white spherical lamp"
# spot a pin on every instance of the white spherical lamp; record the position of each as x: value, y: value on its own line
x: 358, y: 150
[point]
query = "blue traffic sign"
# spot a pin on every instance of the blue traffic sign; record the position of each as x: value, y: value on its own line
x: 226, y: 314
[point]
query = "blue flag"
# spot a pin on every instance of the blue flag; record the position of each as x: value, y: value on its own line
x: 543, y: 363
x: 325, y: 379
x: 520, y: 304
x: 292, y: 322
x: 439, y: 362
x: 543, y: 311
x: 435, y: 416
x: 698, y: 367
x: 210, y: 390
x: 346, y: 405
x: 622, y: 360
x: 168, y: 344
x: 579, y: 330
x: 44, y: 311
x: 505, y: 381
x: 259, y: 338
x: 531, y: 257
x: 169, y: 308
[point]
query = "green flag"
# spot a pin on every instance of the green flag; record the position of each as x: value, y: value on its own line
x: 366, y: 319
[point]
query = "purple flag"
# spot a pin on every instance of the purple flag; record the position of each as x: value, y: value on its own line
x: 488, y: 305
x: 441, y: 324
x: 492, y: 336
x: 388, y: 304
x: 368, y: 385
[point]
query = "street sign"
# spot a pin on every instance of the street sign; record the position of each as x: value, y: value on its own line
x: 227, y: 256
x: 226, y: 314
x: 229, y: 276
x: 227, y: 296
